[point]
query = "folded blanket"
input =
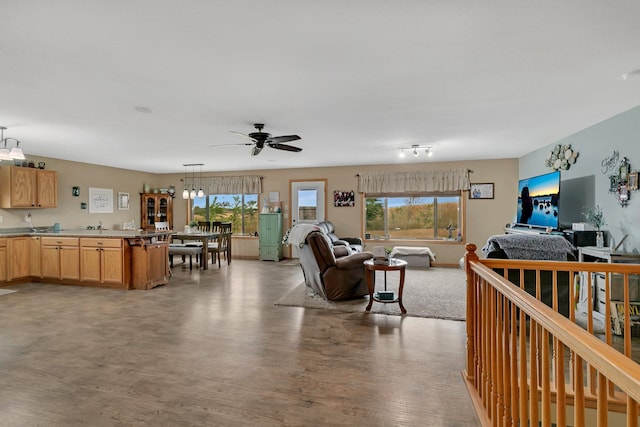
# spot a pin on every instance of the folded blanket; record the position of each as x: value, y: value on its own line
x: 549, y: 247
x: 298, y: 234
x: 412, y: 250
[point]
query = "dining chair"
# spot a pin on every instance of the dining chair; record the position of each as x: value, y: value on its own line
x: 204, y: 226
x: 225, y: 227
x: 163, y: 226
x: 221, y: 246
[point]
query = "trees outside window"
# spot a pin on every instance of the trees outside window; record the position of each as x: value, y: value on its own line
x: 239, y: 209
x: 418, y: 216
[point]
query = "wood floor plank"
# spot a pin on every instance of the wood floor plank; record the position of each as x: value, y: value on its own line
x: 211, y: 348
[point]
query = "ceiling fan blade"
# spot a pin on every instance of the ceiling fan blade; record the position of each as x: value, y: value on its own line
x: 226, y: 145
x: 284, y: 138
x: 256, y: 150
x: 285, y: 147
x: 244, y: 135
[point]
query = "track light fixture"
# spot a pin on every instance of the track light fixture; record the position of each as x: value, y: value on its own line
x: 428, y: 150
x: 15, y: 153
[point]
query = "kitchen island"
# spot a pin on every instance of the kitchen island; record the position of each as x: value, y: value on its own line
x: 117, y: 259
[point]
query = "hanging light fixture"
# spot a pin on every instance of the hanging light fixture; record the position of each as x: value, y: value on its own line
x: 201, y: 191
x: 15, y: 153
x: 185, y: 192
x: 191, y: 194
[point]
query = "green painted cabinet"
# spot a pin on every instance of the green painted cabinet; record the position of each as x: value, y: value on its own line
x: 270, y: 233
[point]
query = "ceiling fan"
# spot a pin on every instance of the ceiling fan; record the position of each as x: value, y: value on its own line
x: 261, y: 139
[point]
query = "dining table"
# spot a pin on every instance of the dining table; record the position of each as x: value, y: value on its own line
x: 203, y: 236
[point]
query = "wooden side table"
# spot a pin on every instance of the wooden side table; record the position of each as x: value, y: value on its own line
x: 370, y: 271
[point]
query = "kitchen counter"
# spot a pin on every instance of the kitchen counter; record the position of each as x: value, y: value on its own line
x: 120, y: 259
x: 123, y: 234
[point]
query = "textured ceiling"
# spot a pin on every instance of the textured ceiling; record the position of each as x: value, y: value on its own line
x: 152, y: 84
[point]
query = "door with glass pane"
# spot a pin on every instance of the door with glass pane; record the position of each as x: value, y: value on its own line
x: 308, y: 200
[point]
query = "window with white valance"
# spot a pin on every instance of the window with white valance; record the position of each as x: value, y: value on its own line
x: 419, y: 205
x: 229, y: 199
x: 441, y: 181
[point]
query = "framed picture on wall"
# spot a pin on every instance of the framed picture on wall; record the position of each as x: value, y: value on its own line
x: 100, y: 200
x: 613, y: 183
x: 481, y: 191
x: 123, y: 201
x: 633, y: 181
x: 344, y: 198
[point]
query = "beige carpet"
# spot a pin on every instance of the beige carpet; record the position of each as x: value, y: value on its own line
x: 435, y: 292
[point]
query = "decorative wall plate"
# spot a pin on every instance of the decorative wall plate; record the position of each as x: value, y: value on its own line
x: 561, y: 157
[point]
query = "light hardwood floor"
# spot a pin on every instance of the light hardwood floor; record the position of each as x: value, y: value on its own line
x: 211, y: 348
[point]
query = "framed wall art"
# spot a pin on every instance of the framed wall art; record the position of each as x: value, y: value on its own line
x: 633, y: 181
x: 123, y: 201
x: 481, y: 191
x: 344, y: 198
x: 100, y: 200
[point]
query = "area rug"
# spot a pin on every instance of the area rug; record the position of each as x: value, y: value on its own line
x: 436, y: 292
x: 6, y: 291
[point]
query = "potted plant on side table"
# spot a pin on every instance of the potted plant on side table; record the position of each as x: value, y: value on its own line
x: 595, y: 217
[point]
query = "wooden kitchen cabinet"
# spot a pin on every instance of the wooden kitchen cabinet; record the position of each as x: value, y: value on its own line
x: 18, y: 261
x: 3, y: 259
x: 102, y: 260
x: 60, y: 258
x: 150, y: 263
x: 155, y: 207
x: 34, y: 257
x: 23, y: 187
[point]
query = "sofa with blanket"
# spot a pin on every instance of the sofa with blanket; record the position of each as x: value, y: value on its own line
x: 535, y: 247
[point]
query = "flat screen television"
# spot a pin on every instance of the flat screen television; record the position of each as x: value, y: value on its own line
x: 538, y: 200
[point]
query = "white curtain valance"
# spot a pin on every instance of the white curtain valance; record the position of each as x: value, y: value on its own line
x: 232, y: 184
x: 419, y: 181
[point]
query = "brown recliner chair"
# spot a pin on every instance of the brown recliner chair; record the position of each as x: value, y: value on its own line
x: 333, y: 278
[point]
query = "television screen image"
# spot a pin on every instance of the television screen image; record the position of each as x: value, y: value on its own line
x: 538, y: 199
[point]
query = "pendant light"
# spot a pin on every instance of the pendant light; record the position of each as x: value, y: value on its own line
x: 192, y: 193
x: 185, y: 192
x: 200, y: 191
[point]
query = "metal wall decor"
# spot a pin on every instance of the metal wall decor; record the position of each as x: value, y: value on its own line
x: 561, y: 157
x: 622, y: 181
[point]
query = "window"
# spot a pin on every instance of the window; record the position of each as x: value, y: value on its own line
x: 417, y: 216
x: 239, y: 209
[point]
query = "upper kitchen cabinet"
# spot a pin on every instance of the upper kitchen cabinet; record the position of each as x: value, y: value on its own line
x: 22, y: 187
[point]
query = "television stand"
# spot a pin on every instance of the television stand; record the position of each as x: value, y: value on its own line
x: 524, y: 229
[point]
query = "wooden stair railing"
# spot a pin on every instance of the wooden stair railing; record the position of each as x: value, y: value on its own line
x: 527, y: 364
